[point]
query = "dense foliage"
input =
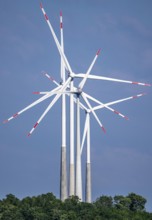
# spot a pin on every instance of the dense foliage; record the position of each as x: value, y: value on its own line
x: 47, y: 207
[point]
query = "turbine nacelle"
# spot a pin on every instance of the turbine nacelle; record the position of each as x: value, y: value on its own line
x: 79, y: 91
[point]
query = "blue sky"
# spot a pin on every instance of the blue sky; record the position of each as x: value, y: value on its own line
x: 121, y: 159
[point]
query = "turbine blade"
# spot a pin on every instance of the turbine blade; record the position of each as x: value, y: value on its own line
x: 44, y: 113
x: 91, y: 109
x: 33, y: 104
x: 50, y: 78
x: 105, y: 106
x: 67, y: 65
x: 118, y: 101
x: 82, y: 83
x: 82, y: 75
x: 57, y: 92
x: 41, y: 93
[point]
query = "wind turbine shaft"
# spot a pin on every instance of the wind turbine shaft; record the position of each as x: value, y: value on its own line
x: 63, y: 169
x: 78, y: 191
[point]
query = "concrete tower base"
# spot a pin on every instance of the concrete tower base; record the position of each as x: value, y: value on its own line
x: 72, y: 181
x: 63, y: 175
x: 88, y: 183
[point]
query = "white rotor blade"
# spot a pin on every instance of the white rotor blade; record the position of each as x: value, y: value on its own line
x: 84, y: 132
x: 118, y: 101
x: 57, y: 92
x: 81, y: 84
x: 82, y: 75
x: 45, y: 112
x: 105, y: 106
x: 67, y: 65
x: 50, y: 105
x: 50, y: 78
x: 91, y: 109
x: 33, y: 104
x: 41, y: 93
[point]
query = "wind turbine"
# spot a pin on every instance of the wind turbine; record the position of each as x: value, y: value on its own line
x: 63, y: 165
x: 61, y: 89
x: 86, y: 136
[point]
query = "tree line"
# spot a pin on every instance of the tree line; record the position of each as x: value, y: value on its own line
x: 48, y: 207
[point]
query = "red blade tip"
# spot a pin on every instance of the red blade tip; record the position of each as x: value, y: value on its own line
x: 41, y: 6
x: 144, y: 93
x: 146, y: 84
x: 36, y: 92
x: 61, y: 13
x: 4, y: 122
x: 98, y: 52
x: 126, y: 118
x: 104, y: 130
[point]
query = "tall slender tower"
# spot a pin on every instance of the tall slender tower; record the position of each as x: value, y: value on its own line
x: 72, y: 167
x: 63, y: 168
x: 78, y: 185
x: 88, y: 164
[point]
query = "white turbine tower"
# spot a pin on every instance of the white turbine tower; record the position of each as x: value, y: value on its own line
x: 68, y: 88
x: 63, y: 168
x: 68, y: 68
x: 86, y: 135
x: 72, y: 158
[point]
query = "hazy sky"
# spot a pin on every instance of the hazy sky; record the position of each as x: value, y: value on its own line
x: 121, y: 158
